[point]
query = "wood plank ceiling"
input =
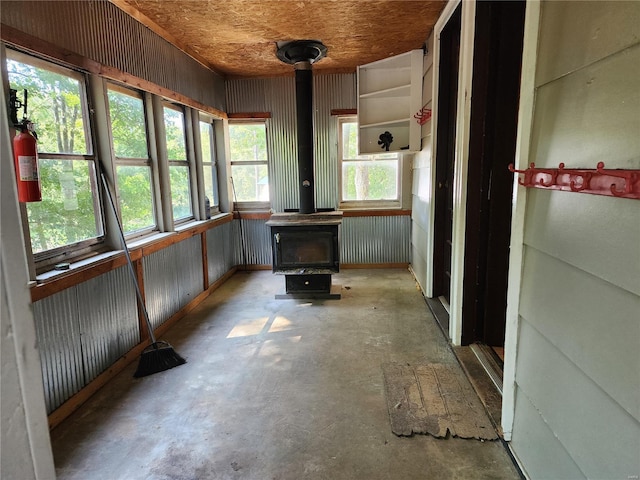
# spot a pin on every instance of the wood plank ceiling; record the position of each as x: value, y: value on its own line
x: 237, y: 38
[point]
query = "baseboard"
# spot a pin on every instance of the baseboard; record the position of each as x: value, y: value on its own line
x: 56, y: 417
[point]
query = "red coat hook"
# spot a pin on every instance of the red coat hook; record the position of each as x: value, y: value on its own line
x: 600, y: 181
x: 423, y: 115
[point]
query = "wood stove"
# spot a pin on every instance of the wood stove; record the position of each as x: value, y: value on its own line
x: 305, y: 244
x: 306, y: 249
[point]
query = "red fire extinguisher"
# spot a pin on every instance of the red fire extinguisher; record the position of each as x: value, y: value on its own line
x: 25, y: 151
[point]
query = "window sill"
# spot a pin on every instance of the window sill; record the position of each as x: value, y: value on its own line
x: 77, y: 265
x: 374, y: 212
x: 53, y: 281
x: 371, y: 205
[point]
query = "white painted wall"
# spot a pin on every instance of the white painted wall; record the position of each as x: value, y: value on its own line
x: 25, y: 449
x: 576, y: 405
x: 421, y: 189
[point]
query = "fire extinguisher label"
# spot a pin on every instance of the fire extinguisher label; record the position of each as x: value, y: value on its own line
x: 28, y: 168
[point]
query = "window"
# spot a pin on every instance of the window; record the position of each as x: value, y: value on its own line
x: 209, y: 169
x: 133, y: 165
x: 365, y: 180
x: 249, y: 164
x: 69, y: 213
x: 179, y: 174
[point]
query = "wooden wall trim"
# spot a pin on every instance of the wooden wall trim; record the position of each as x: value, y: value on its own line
x: 96, y: 268
x: 375, y: 213
x: 80, y: 274
x: 248, y: 115
x: 345, y: 213
x: 343, y: 111
x: 251, y: 215
x: 41, y: 47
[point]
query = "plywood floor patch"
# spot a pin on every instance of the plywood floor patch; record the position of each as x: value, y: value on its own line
x: 434, y: 399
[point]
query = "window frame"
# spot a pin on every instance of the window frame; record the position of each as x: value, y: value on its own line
x: 187, y: 163
x: 45, y: 260
x: 258, y: 205
x: 365, y: 204
x: 133, y: 161
x: 214, y: 203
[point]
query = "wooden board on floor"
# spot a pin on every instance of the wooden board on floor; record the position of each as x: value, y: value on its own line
x: 434, y: 399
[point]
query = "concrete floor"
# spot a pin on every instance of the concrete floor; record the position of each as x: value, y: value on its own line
x: 276, y: 389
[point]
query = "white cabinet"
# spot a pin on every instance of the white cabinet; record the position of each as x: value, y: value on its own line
x: 389, y: 94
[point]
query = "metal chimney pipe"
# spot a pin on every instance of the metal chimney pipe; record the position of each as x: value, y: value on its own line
x: 304, y: 124
x: 302, y: 54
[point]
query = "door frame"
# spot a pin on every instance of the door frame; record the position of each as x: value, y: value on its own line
x: 463, y: 117
x: 523, y: 141
x: 516, y: 251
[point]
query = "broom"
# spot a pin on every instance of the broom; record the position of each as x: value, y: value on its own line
x: 158, y: 356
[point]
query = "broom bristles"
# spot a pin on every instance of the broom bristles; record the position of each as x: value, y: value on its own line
x: 158, y: 357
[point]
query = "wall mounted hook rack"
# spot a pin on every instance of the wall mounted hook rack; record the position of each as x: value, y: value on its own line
x: 423, y: 115
x: 599, y: 181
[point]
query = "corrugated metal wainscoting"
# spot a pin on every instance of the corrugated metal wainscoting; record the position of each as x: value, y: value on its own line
x: 173, y: 277
x: 220, y: 251
x: 83, y: 330
x: 376, y: 240
x: 256, y: 242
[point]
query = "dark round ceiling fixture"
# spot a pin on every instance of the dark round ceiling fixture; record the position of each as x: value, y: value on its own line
x: 301, y: 51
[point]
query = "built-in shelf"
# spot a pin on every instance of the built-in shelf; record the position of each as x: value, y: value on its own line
x: 388, y: 123
x: 401, y: 91
x: 389, y: 94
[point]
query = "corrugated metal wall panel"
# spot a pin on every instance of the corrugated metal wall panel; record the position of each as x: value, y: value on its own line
x: 376, y: 239
x: 161, y: 294
x: 230, y: 250
x: 330, y: 92
x: 172, y: 278
x: 108, y: 322
x: 188, y: 266
x: 217, y: 252
x: 282, y: 139
x: 277, y: 96
x: 102, y: 32
x: 257, y: 242
x: 246, y: 95
x: 58, y: 334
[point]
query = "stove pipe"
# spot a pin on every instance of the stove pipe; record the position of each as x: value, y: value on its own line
x: 301, y: 54
x: 304, y: 124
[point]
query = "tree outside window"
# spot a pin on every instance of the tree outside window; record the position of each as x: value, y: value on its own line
x: 249, y: 161
x: 365, y: 178
x: 69, y: 211
x: 133, y: 166
x: 207, y: 148
x: 178, y: 164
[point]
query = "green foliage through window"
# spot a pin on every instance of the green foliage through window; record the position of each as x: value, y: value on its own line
x: 66, y: 214
x: 69, y: 211
x: 127, y: 125
x: 366, y: 177
x: 174, y: 128
x: 136, y: 200
x: 249, y: 170
x: 129, y: 134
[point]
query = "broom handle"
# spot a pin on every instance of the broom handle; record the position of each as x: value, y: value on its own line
x: 126, y: 253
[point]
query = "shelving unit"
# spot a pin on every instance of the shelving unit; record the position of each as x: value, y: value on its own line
x: 389, y: 94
